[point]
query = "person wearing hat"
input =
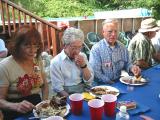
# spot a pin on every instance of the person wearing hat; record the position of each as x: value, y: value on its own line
x: 3, y: 50
x: 141, y: 50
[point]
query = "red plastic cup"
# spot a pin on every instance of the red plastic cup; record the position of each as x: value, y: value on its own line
x: 76, y: 102
x: 96, y: 109
x: 109, y: 104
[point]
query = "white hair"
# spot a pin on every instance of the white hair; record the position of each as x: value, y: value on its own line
x: 109, y: 20
x: 72, y: 34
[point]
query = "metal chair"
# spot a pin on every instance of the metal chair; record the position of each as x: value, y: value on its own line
x: 92, y: 38
x: 123, y: 38
x: 86, y: 49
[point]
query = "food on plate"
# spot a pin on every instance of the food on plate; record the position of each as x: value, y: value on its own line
x: 112, y: 92
x: 128, y: 104
x: 99, y: 90
x: 87, y: 96
x: 134, y: 80
x: 55, y: 106
x: 58, y: 101
x: 103, y: 90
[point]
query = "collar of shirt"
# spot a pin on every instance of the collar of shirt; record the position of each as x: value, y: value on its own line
x: 64, y: 55
x: 116, y: 44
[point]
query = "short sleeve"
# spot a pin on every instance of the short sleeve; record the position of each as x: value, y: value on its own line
x: 4, y: 77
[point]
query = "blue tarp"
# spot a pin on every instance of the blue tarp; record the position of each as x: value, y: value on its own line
x: 130, y: 13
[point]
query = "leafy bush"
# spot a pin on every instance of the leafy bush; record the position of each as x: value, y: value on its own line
x: 70, y: 8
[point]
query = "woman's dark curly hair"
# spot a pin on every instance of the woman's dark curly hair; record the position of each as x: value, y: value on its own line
x: 25, y: 35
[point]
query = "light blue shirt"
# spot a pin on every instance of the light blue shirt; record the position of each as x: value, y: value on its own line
x: 156, y: 42
x: 64, y: 72
x: 107, y: 62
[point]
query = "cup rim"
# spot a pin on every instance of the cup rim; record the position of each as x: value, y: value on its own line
x: 101, y: 103
x: 109, y: 98
x: 78, y: 97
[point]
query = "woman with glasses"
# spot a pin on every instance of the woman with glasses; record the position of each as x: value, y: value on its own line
x: 22, y: 79
x: 70, y: 71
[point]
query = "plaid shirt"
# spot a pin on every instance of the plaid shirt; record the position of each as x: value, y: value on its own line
x: 140, y: 47
x: 108, y: 62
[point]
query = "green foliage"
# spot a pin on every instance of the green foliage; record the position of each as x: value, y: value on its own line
x: 153, y: 5
x: 58, y: 8
x: 34, y: 6
x: 67, y: 8
x: 70, y: 8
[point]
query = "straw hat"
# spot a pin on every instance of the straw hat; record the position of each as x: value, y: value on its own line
x: 2, y: 46
x: 149, y: 25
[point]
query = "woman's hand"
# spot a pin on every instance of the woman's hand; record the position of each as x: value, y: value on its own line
x: 24, y: 107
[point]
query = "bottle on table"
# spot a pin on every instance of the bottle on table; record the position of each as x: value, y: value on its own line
x: 122, y: 114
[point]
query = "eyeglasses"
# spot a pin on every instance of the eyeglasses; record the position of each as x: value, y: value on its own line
x: 31, y: 46
x: 76, y: 48
x: 111, y: 31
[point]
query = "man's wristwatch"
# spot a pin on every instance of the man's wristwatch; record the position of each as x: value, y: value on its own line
x: 84, y: 66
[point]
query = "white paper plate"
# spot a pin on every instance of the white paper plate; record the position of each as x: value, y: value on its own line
x: 109, y: 88
x: 47, y: 101
x: 122, y: 80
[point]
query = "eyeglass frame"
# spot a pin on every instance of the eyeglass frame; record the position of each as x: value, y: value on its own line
x: 110, y: 31
x: 76, y: 48
x: 29, y: 46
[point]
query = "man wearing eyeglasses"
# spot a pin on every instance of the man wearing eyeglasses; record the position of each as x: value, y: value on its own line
x: 109, y: 57
x: 70, y: 71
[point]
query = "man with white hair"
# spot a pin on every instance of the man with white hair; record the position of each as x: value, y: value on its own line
x: 70, y: 71
x: 109, y: 57
x: 140, y: 47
